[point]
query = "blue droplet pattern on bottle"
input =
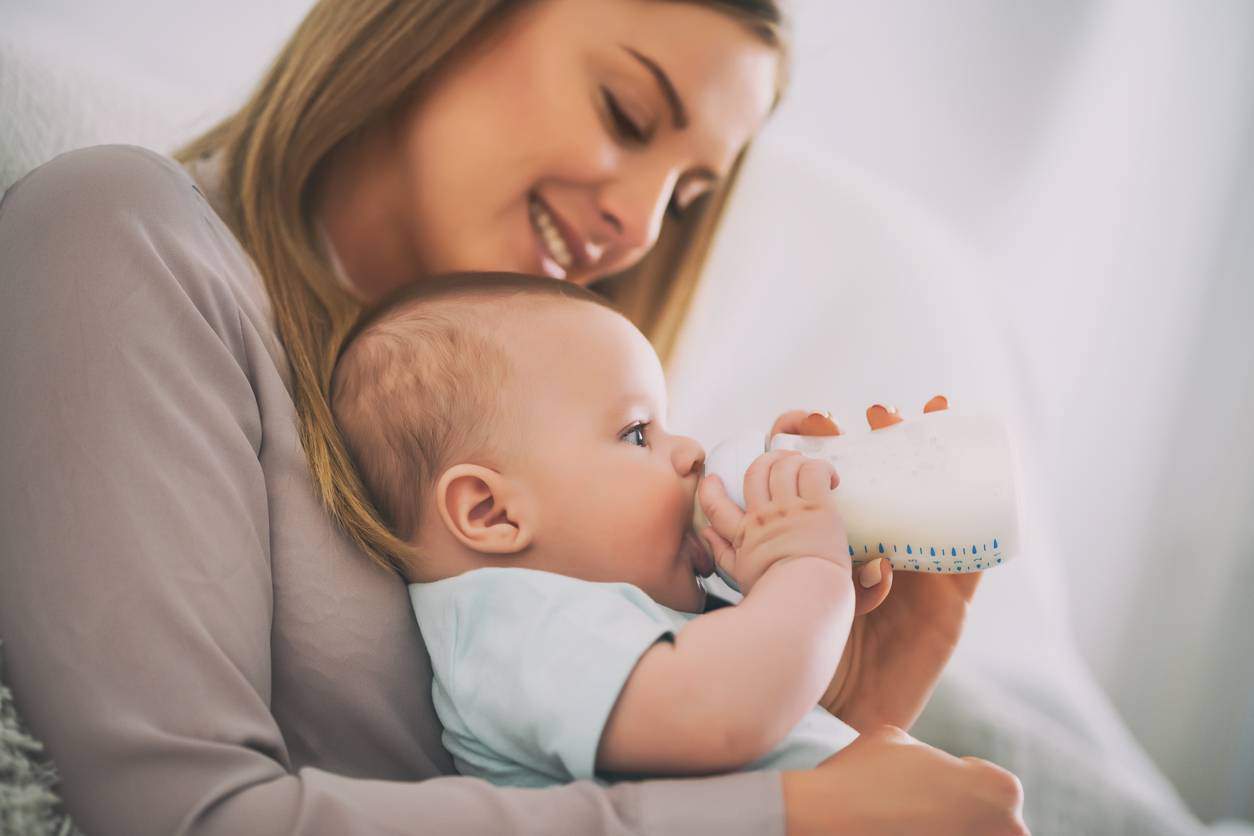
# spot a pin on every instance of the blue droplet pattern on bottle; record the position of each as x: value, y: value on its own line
x: 947, y: 552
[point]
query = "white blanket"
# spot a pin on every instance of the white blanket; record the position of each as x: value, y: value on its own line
x: 1081, y: 773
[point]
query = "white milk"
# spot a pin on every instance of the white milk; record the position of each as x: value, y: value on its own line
x: 930, y: 494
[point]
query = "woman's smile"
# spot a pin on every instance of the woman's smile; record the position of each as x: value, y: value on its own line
x: 559, y: 246
x: 592, y: 142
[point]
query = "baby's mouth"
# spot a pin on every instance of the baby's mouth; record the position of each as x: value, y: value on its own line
x: 694, y: 548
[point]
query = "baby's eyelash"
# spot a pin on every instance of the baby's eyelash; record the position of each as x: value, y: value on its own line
x: 639, y: 426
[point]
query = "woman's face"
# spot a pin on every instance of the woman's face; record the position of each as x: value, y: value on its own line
x: 556, y: 145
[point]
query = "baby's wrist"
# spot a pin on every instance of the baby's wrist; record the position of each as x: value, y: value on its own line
x: 809, y: 570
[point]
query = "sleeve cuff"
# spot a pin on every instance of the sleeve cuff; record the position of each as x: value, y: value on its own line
x: 749, y: 803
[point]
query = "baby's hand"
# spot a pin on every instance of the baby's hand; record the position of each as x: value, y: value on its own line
x: 790, y: 511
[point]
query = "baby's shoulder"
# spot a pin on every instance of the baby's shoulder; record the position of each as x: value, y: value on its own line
x: 501, y: 598
x: 501, y: 589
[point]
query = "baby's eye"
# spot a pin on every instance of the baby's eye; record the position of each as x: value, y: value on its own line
x: 637, y: 430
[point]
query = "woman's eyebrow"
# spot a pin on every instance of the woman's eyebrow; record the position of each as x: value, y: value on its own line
x: 678, y: 112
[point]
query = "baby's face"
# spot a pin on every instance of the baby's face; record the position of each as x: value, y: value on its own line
x: 613, y: 489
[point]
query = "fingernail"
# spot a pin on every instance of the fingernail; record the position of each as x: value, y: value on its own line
x: 819, y: 423
x: 880, y: 416
x: 871, y: 573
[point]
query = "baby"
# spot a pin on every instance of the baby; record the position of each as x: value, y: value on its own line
x: 512, y: 431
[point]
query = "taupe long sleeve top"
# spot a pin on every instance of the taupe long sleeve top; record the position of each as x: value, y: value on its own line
x: 199, y: 647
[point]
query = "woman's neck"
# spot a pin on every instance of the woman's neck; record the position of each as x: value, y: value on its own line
x: 360, y: 205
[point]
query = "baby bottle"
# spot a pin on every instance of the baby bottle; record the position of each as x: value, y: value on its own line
x: 930, y: 494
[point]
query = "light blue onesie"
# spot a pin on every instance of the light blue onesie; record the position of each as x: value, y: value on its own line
x: 528, y: 665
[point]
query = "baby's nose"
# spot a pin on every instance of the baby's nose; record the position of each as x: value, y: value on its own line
x: 689, y: 457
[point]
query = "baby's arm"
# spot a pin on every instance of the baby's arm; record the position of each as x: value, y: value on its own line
x: 735, y: 681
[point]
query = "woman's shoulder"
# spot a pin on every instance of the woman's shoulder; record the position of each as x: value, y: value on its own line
x: 113, y: 219
x: 104, y: 178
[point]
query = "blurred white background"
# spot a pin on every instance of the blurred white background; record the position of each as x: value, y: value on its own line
x: 1077, y: 179
x: 1043, y: 210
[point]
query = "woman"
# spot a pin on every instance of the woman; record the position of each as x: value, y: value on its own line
x: 201, y: 646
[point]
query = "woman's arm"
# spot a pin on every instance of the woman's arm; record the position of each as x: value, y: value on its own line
x: 136, y: 600
x: 736, y: 680
x: 886, y: 782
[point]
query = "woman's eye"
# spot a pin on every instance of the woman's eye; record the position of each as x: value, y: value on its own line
x: 622, y: 122
x: 637, y: 431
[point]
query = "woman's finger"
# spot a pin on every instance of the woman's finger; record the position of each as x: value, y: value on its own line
x: 757, y: 487
x: 789, y: 422
x: 817, y: 479
x: 966, y: 583
x: 868, y: 598
x: 879, y: 416
x: 818, y: 423
x: 724, y: 514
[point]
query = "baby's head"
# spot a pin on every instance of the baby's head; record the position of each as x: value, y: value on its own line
x: 510, y: 420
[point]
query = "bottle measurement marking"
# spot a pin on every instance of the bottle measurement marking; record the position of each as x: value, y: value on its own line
x: 978, y: 553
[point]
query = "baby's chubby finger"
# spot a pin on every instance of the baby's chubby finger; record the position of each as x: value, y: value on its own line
x: 724, y: 514
x: 757, y: 477
x: 784, y: 481
x: 818, y: 478
x: 720, y: 549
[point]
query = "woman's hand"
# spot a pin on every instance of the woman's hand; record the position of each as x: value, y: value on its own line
x: 900, y: 642
x: 888, y: 782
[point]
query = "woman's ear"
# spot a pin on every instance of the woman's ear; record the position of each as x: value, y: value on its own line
x: 482, y: 510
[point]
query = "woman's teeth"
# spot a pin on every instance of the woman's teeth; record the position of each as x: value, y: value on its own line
x: 545, y: 227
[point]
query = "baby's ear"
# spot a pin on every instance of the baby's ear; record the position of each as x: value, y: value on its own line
x: 482, y: 510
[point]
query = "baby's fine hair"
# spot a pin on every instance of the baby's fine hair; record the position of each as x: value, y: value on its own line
x: 418, y: 380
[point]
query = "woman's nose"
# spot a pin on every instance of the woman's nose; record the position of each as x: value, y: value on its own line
x: 633, y: 207
x: 688, y: 456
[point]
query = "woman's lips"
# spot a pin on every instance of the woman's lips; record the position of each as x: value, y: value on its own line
x: 559, y: 251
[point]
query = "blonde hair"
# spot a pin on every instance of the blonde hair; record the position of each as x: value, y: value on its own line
x: 348, y: 63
